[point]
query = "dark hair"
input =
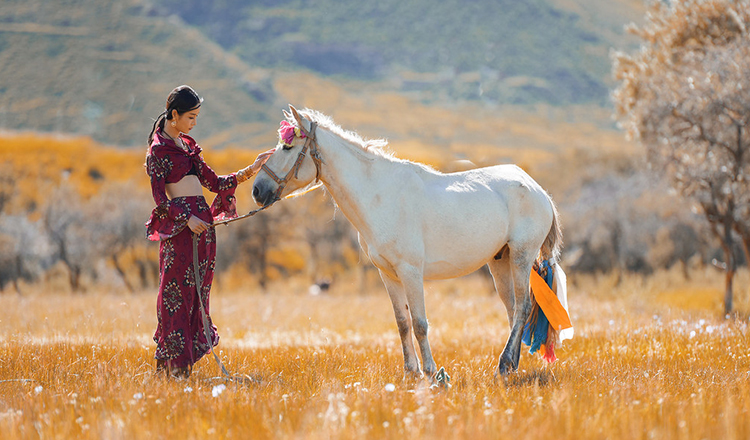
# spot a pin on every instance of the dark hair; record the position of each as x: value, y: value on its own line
x: 183, y: 99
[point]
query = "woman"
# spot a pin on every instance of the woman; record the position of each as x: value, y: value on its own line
x: 178, y: 172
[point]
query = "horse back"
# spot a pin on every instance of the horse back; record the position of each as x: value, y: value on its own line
x: 467, y: 217
x: 509, y: 183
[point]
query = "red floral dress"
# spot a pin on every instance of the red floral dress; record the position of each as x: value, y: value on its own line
x: 179, y: 333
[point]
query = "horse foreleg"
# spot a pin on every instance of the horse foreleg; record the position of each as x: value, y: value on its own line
x: 520, y: 270
x: 413, y: 282
x: 403, y: 320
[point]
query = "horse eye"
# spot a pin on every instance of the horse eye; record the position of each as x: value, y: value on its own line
x: 287, y: 147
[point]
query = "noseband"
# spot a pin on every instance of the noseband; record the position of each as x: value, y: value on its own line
x: 311, y: 143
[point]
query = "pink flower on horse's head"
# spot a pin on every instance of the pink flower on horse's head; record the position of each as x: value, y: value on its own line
x: 287, y: 132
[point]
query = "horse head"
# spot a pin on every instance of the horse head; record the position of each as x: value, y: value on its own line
x: 294, y: 167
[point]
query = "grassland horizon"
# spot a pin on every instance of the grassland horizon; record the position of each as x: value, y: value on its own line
x: 652, y: 358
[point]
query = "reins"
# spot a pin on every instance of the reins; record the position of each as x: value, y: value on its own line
x: 310, y: 140
x: 294, y: 171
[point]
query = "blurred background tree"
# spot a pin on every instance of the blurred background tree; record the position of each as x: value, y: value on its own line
x: 686, y: 97
x: 62, y: 218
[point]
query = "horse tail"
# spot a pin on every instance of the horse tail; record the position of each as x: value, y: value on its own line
x: 552, y: 245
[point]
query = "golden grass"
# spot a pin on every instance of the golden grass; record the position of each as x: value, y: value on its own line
x: 645, y: 363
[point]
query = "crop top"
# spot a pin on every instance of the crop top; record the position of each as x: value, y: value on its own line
x: 168, y: 163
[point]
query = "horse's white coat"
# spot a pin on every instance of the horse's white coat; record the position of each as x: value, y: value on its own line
x: 416, y: 223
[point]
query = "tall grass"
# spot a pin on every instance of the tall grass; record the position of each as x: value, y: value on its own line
x: 652, y: 358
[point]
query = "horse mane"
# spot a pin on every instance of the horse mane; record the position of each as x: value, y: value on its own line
x: 374, y: 146
x: 377, y: 147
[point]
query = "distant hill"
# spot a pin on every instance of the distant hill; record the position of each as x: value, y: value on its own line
x: 104, y: 69
x: 497, y: 51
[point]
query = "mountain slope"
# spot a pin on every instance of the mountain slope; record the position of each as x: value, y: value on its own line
x: 500, y: 51
x: 104, y: 69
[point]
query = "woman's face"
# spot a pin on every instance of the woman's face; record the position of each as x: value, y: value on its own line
x: 186, y: 121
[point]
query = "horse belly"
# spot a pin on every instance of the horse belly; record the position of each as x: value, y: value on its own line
x: 443, y: 270
x: 460, y: 263
x: 459, y: 246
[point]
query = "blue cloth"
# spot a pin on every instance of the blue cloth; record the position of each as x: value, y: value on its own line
x: 535, y: 333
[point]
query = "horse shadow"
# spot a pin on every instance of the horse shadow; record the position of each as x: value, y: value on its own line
x: 524, y: 379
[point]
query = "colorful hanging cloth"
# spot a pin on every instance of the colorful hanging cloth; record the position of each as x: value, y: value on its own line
x: 548, y: 316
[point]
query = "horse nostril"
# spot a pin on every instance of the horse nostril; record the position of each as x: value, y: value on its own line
x: 256, y: 191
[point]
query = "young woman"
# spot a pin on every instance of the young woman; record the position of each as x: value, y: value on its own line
x: 178, y: 173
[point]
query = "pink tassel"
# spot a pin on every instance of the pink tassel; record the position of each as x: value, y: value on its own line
x: 549, y: 347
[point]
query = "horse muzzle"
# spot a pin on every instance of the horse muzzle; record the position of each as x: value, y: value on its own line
x: 263, y: 193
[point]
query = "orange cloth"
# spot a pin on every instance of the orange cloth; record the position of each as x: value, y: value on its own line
x: 547, y: 300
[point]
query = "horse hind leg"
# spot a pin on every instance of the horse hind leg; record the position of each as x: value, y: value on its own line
x: 520, y: 265
x: 502, y: 277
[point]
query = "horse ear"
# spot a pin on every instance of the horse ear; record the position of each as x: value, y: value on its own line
x: 287, y: 115
x: 296, y: 115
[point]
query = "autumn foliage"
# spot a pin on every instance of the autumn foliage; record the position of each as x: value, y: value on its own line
x: 686, y: 96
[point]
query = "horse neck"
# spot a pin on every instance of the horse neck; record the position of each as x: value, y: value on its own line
x: 347, y: 172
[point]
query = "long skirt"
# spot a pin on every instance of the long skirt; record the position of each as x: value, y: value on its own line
x: 179, y: 336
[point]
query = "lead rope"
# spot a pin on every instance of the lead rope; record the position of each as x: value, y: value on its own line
x: 249, y: 214
x: 198, y: 288
x: 196, y: 265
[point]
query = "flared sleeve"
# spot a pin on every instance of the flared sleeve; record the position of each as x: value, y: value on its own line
x: 223, y: 206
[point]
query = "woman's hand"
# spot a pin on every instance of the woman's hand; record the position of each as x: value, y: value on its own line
x: 260, y: 160
x: 248, y: 172
x: 197, y: 225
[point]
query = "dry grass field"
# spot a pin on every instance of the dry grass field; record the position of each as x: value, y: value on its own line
x: 652, y: 358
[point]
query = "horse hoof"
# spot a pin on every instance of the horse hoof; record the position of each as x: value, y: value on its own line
x: 505, y: 367
x: 441, y: 379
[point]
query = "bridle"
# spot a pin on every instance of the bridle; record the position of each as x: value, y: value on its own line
x: 310, y: 142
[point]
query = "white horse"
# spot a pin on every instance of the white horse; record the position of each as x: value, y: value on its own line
x: 418, y: 224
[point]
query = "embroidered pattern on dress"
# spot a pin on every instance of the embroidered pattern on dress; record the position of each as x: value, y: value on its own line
x: 172, y: 297
x: 205, y: 291
x: 202, y: 205
x: 158, y: 168
x: 211, y: 236
x: 168, y: 254
x: 202, y: 267
x: 225, y: 184
x: 174, y: 343
x: 184, y: 208
x: 189, y: 280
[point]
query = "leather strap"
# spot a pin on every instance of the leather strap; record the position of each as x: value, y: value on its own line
x: 204, y: 316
